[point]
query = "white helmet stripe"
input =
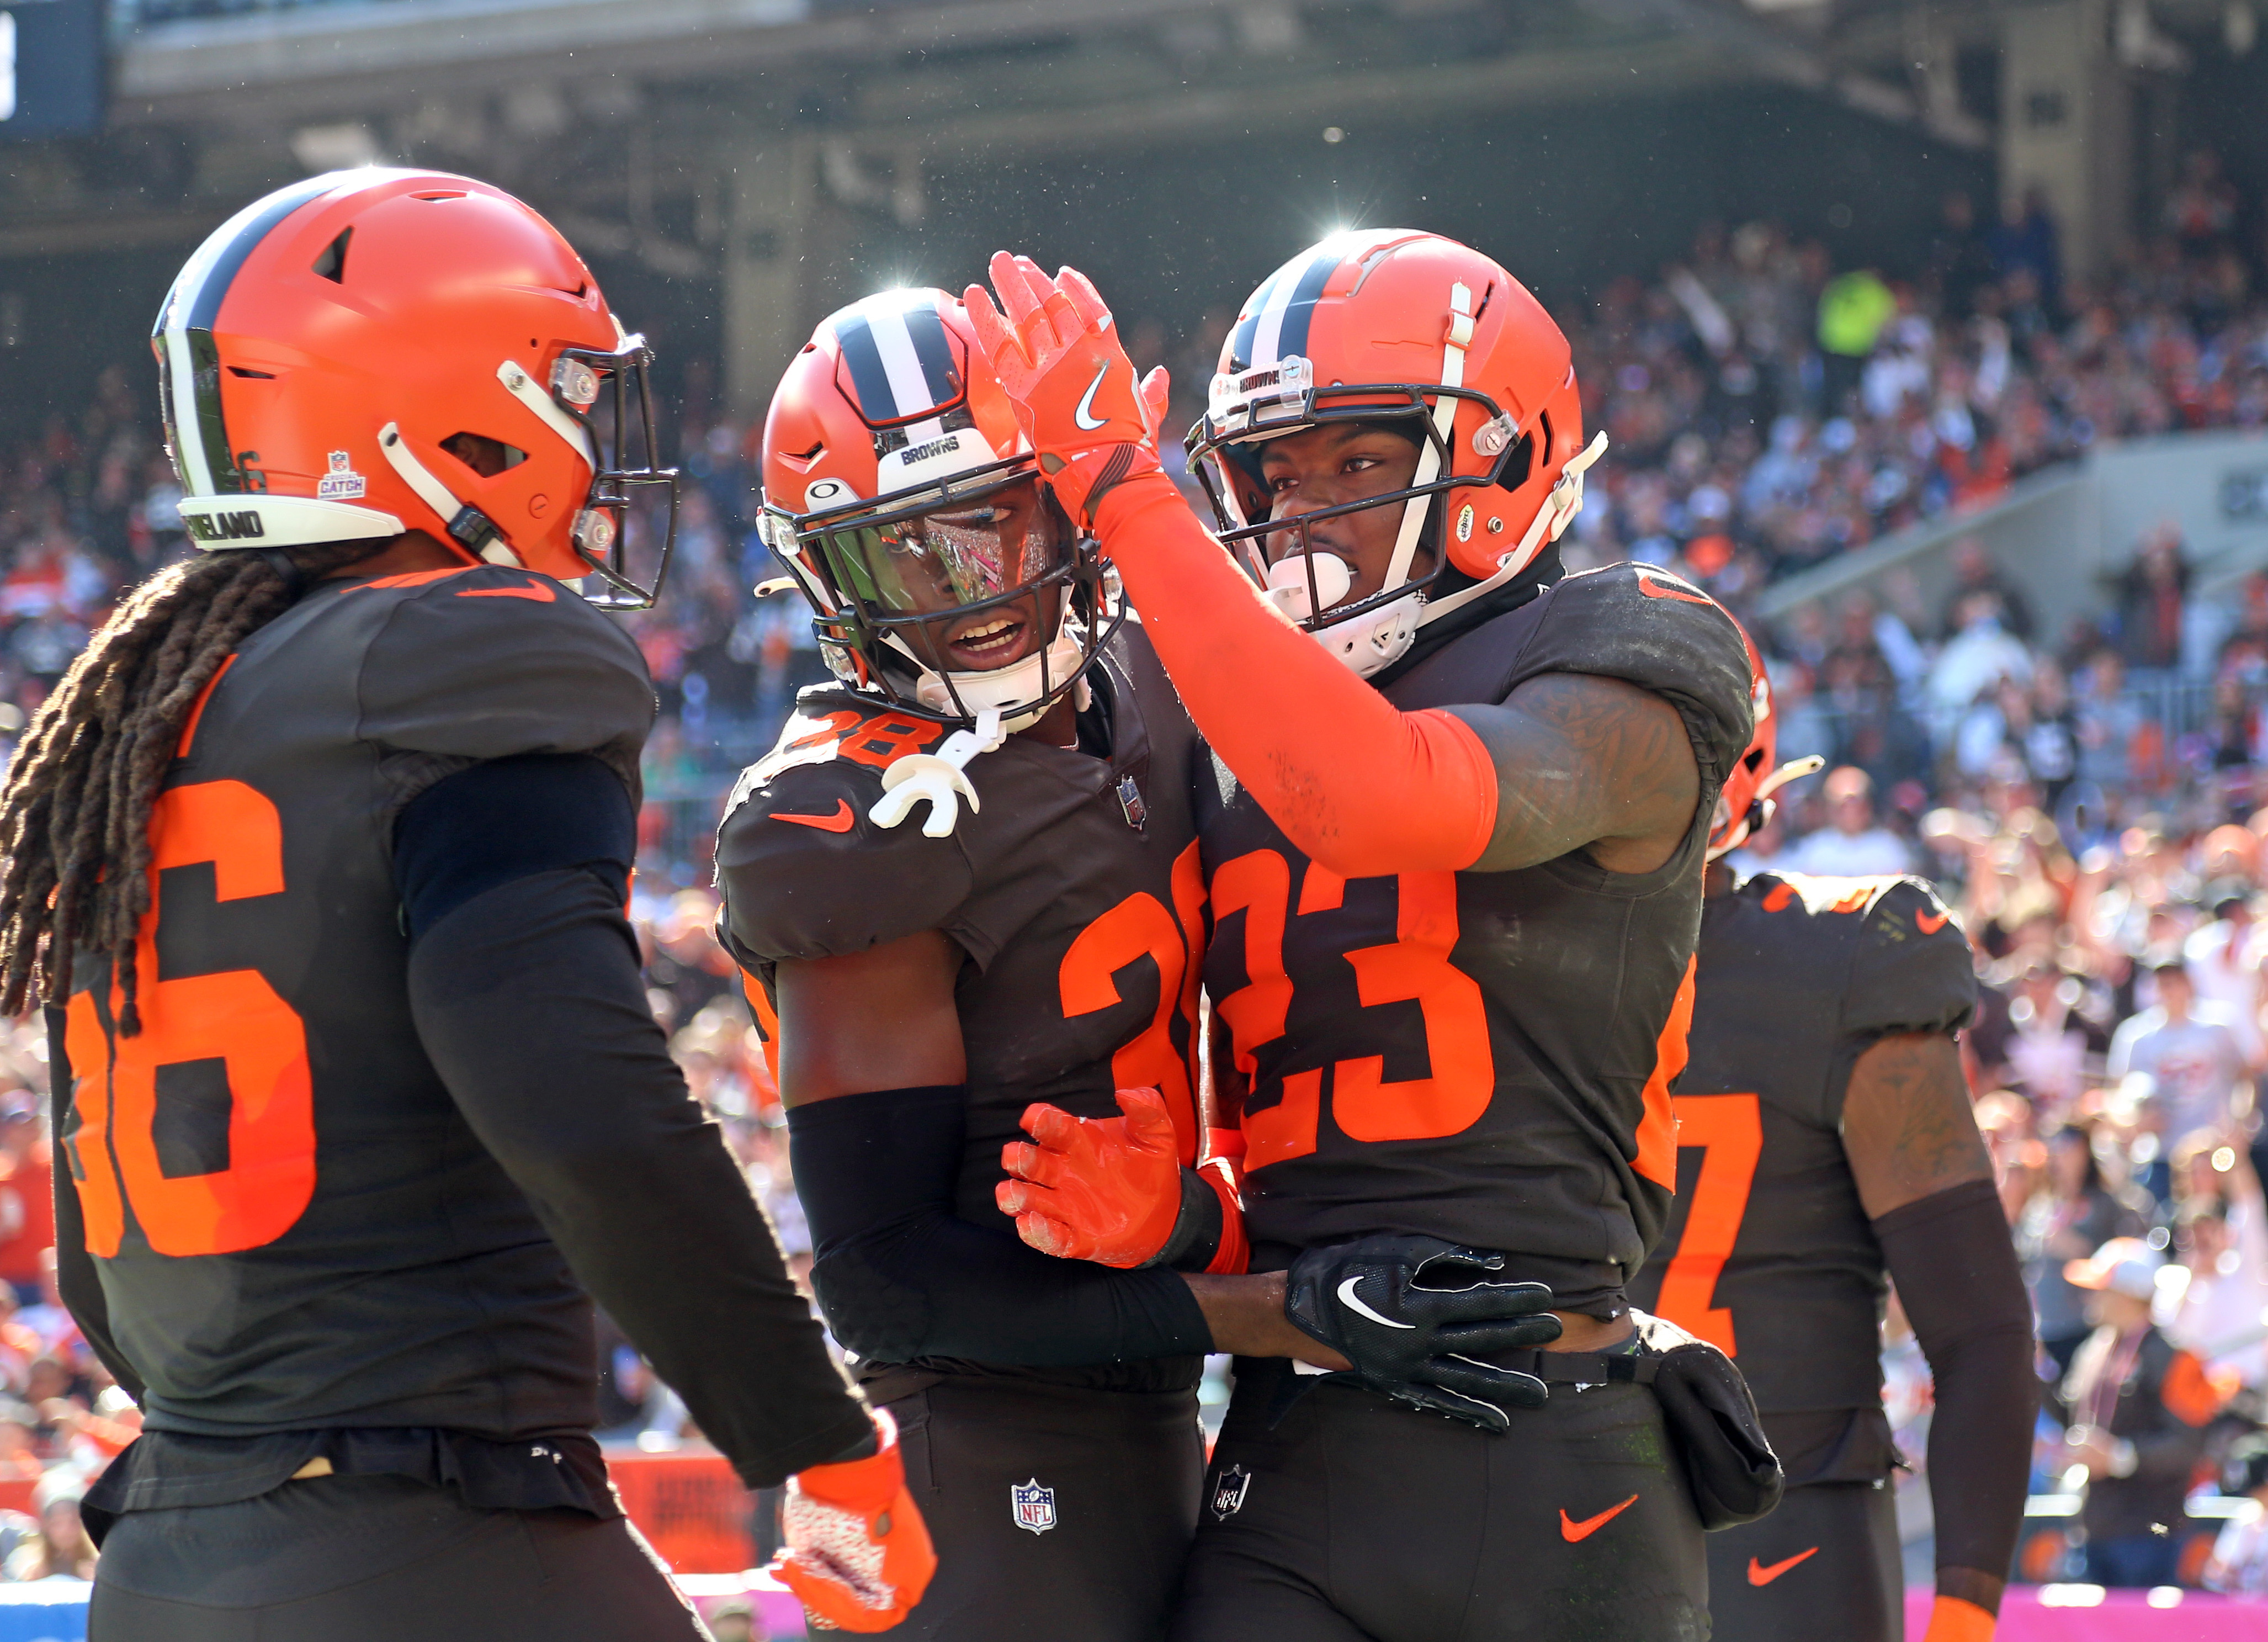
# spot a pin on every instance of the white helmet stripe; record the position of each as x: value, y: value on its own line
x: 900, y: 362
x: 194, y: 304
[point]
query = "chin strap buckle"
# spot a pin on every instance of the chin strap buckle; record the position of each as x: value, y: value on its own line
x: 939, y: 777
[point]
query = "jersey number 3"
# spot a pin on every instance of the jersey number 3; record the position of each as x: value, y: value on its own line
x: 232, y: 1025
x: 1729, y: 1132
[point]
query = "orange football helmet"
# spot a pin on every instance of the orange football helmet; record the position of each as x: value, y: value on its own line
x: 1744, y: 806
x: 901, y: 492
x: 322, y: 346
x: 1385, y: 324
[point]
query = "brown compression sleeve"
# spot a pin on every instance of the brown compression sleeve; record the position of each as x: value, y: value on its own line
x: 1955, y: 1264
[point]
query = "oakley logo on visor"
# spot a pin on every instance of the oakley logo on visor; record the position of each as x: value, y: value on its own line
x: 825, y: 493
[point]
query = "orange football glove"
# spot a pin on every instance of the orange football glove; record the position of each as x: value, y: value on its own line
x: 858, y: 1554
x: 1113, y: 1190
x: 1057, y: 354
x: 1954, y: 1620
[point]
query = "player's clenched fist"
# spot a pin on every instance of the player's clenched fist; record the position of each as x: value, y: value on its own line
x: 1113, y: 1190
x: 858, y: 1554
x: 1052, y: 345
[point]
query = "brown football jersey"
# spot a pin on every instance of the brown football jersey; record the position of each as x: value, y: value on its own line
x: 1071, y: 886
x: 1479, y: 1056
x: 1769, y: 1253
x: 294, y: 1226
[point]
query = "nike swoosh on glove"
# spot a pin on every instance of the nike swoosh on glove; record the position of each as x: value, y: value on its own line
x: 1414, y: 1315
x: 1114, y: 1191
x: 858, y: 1554
x: 1058, y: 356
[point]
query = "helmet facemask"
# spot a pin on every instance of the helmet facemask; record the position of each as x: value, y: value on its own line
x: 900, y: 589
x: 1308, y: 583
x: 610, y: 396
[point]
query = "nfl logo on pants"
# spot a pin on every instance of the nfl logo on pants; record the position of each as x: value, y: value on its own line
x: 1033, y: 1503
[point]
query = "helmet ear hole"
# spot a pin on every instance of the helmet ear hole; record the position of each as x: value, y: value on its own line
x: 484, y: 456
x: 1520, y: 462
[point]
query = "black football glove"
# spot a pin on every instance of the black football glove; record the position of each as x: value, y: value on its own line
x: 1414, y: 1315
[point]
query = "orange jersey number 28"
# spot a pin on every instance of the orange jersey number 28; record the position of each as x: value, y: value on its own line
x: 234, y: 1018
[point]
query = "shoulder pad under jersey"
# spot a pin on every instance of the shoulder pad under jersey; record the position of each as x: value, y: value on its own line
x: 1908, y: 964
x: 488, y: 662
x: 804, y: 869
x: 1654, y: 629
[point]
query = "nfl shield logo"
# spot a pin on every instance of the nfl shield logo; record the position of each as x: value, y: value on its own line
x: 1228, y: 1492
x: 1033, y: 1503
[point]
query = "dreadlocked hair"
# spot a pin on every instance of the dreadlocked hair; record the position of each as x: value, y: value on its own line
x: 74, y: 810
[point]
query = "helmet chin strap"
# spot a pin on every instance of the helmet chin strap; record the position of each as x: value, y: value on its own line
x: 453, y: 513
x: 1550, y: 522
x: 1444, y: 420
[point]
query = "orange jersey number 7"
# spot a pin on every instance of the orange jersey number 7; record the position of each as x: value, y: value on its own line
x: 1729, y: 1131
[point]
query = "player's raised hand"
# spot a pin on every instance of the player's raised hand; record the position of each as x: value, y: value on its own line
x: 1105, y: 1189
x: 857, y: 1554
x: 1053, y: 345
x: 1412, y: 1314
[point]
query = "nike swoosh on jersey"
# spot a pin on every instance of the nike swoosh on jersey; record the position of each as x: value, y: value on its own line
x: 535, y: 590
x: 839, y: 821
x: 1653, y: 589
x: 1758, y: 1574
x: 1928, y: 925
x: 1088, y: 423
x: 1573, y: 1531
x: 1352, y: 1301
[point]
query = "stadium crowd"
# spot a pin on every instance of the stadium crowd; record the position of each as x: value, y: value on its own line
x: 1767, y: 412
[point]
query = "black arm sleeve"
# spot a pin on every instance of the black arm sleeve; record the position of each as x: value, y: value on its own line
x: 1955, y: 1268
x: 77, y: 1279
x: 527, y: 999
x: 901, y: 1276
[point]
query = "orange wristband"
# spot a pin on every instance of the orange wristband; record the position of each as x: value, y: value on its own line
x: 1953, y: 1620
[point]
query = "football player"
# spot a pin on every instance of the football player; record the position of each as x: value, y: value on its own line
x: 317, y: 859
x: 1032, y: 934
x: 1452, y: 839
x: 1825, y: 1140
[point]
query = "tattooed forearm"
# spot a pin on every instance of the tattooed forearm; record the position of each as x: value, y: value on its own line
x: 1583, y: 760
x: 1907, y: 1128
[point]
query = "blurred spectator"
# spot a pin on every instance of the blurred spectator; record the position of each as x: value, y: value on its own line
x: 27, y: 1195
x: 2213, y: 1301
x: 2045, y: 1048
x: 2138, y: 1405
x: 2193, y: 1065
x: 1852, y: 845
x: 2223, y: 959
x: 2076, y: 1215
x: 2025, y: 245
x: 2151, y: 600
x: 2239, y: 1564
x: 1980, y: 654
x: 1974, y: 571
x: 61, y: 1549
